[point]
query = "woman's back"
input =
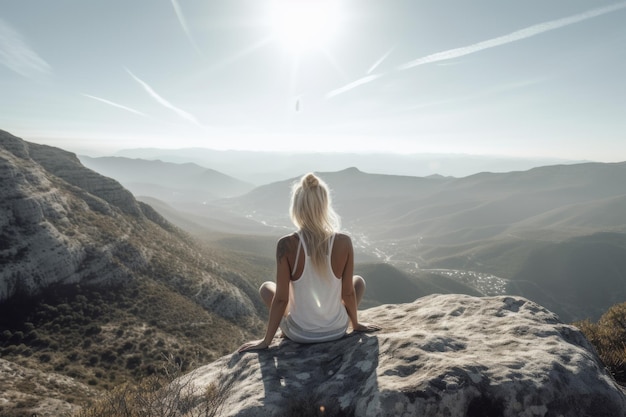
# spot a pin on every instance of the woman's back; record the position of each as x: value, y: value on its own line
x: 340, y: 255
x: 316, y: 311
x: 316, y: 295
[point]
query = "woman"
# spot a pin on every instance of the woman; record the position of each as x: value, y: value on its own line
x: 315, y: 296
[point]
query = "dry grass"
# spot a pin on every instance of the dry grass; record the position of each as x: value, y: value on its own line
x: 167, y: 394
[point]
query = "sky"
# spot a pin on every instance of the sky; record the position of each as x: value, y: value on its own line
x: 525, y: 78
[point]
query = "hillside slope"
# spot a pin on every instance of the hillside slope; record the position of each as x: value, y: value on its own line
x: 168, y: 181
x: 543, y: 232
x: 97, y: 286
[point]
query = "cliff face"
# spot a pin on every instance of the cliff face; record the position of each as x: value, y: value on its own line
x: 46, y: 199
x: 442, y: 355
x: 63, y: 223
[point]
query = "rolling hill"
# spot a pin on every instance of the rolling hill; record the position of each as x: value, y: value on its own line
x: 90, y: 273
x: 523, y: 227
x: 457, y: 210
x: 490, y: 223
x: 171, y: 182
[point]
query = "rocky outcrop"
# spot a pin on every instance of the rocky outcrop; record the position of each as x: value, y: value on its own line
x: 442, y: 355
x: 47, y: 200
x: 62, y: 223
x: 66, y: 165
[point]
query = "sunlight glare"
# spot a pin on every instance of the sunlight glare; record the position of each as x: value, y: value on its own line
x: 303, y: 24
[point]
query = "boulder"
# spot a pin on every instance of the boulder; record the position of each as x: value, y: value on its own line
x: 442, y: 355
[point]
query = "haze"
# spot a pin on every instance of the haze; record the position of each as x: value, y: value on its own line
x: 520, y: 79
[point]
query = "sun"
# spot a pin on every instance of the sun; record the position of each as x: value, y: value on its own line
x: 304, y: 24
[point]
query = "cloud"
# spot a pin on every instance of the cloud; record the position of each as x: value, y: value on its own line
x: 513, y: 37
x: 480, y: 46
x: 183, y: 24
x: 354, y: 84
x: 119, y: 106
x: 187, y: 116
x: 380, y: 60
x: 16, y: 55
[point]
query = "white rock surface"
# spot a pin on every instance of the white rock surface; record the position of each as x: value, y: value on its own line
x: 442, y: 355
x: 47, y: 393
x: 62, y: 223
x: 45, y: 237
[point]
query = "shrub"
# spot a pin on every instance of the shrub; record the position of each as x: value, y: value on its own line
x: 17, y: 337
x: 133, y: 362
x: 92, y: 330
x: 608, y: 336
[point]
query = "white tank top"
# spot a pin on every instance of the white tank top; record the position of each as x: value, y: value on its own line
x: 316, y: 312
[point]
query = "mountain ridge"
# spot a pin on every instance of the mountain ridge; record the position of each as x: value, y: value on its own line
x: 160, y: 179
x: 88, y: 274
x: 261, y: 167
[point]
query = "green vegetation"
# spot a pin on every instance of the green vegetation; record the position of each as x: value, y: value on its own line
x: 112, y: 335
x: 608, y: 336
x: 106, y: 337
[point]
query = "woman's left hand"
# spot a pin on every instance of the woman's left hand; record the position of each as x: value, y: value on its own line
x: 254, y: 345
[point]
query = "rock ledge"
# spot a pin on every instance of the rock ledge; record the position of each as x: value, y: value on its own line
x: 442, y: 355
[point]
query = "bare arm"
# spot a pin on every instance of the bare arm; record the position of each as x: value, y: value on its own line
x: 280, y: 300
x: 348, y: 293
x: 347, y: 285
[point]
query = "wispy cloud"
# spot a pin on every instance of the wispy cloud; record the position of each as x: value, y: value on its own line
x: 16, y: 55
x: 480, y: 46
x: 380, y: 61
x: 513, y: 37
x: 354, y: 84
x: 119, y: 106
x: 361, y: 81
x: 185, y: 115
x: 183, y: 24
x: 244, y: 52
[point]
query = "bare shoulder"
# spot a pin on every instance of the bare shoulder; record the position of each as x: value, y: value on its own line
x: 286, y: 244
x: 290, y: 239
x: 343, y: 240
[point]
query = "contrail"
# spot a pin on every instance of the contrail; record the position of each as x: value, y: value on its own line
x: 16, y: 55
x: 490, y: 43
x: 238, y: 55
x: 164, y: 102
x: 354, y: 84
x: 512, y: 37
x: 119, y: 106
x: 380, y: 60
x: 183, y: 24
x: 361, y: 81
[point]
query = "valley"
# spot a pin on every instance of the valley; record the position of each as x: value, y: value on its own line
x: 481, y: 234
x: 91, y: 271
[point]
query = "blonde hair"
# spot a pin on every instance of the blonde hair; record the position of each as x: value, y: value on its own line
x: 311, y: 212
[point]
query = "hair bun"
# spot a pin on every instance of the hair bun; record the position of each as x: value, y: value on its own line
x: 310, y: 180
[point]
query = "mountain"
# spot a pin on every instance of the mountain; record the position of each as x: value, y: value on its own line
x: 264, y: 167
x: 98, y: 287
x: 566, y: 200
x: 168, y: 181
x: 499, y: 224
